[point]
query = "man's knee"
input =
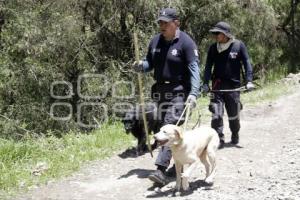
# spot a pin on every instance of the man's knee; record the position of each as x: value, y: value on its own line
x: 164, y: 156
x: 174, y: 113
x: 216, y: 108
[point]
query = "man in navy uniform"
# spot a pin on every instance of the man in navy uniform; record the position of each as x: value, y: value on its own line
x: 227, y: 56
x: 174, y: 57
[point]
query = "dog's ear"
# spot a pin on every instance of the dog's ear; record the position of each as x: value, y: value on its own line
x: 178, y: 131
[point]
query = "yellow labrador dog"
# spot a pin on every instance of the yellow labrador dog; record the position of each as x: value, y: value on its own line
x: 189, y: 148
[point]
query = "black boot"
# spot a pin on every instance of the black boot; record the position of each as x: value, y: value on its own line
x: 158, y: 176
x: 222, y: 143
x: 235, y: 138
x: 171, y: 172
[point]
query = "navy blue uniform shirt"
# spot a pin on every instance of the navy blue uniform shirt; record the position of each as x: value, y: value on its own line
x: 174, y: 61
x: 227, y: 64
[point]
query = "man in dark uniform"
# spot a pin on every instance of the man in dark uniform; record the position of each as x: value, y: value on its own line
x: 227, y: 56
x: 174, y: 57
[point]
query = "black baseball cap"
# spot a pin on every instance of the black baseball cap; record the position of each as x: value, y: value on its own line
x: 167, y: 15
x: 222, y: 27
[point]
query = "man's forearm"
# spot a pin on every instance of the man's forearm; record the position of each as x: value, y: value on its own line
x: 195, y: 78
x: 248, y: 70
x: 207, y: 74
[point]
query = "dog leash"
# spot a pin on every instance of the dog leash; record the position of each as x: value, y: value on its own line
x: 240, y: 89
x: 186, y: 109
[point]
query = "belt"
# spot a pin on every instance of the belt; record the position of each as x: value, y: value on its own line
x: 170, y: 82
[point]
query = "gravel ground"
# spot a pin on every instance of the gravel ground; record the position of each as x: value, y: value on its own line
x: 264, y: 166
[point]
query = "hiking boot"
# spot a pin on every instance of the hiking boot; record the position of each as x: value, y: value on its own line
x: 222, y: 143
x: 234, y: 138
x: 158, y: 177
x: 171, y: 172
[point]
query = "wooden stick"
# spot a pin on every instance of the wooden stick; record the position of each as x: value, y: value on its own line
x: 142, y: 100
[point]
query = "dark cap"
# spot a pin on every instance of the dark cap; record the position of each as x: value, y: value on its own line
x: 167, y: 15
x: 222, y: 27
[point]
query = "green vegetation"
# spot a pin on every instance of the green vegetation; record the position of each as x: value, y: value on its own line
x: 19, y: 160
x: 43, y: 42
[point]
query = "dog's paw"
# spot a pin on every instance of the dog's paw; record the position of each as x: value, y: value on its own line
x: 175, y: 192
x: 209, y: 181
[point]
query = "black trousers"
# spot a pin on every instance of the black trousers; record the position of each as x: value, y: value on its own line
x: 233, y: 106
x: 170, y: 99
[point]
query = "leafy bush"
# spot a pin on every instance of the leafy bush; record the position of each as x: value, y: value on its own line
x: 48, y: 46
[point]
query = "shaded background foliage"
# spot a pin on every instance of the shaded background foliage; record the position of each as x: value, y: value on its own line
x: 43, y: 41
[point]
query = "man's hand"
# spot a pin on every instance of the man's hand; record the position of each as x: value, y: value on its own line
x: 250, y: 86
x: 138, y: 66
x: 205, y: 88
x: 192, y: 100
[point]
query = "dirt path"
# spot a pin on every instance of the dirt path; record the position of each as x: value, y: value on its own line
x: 264, y: 167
